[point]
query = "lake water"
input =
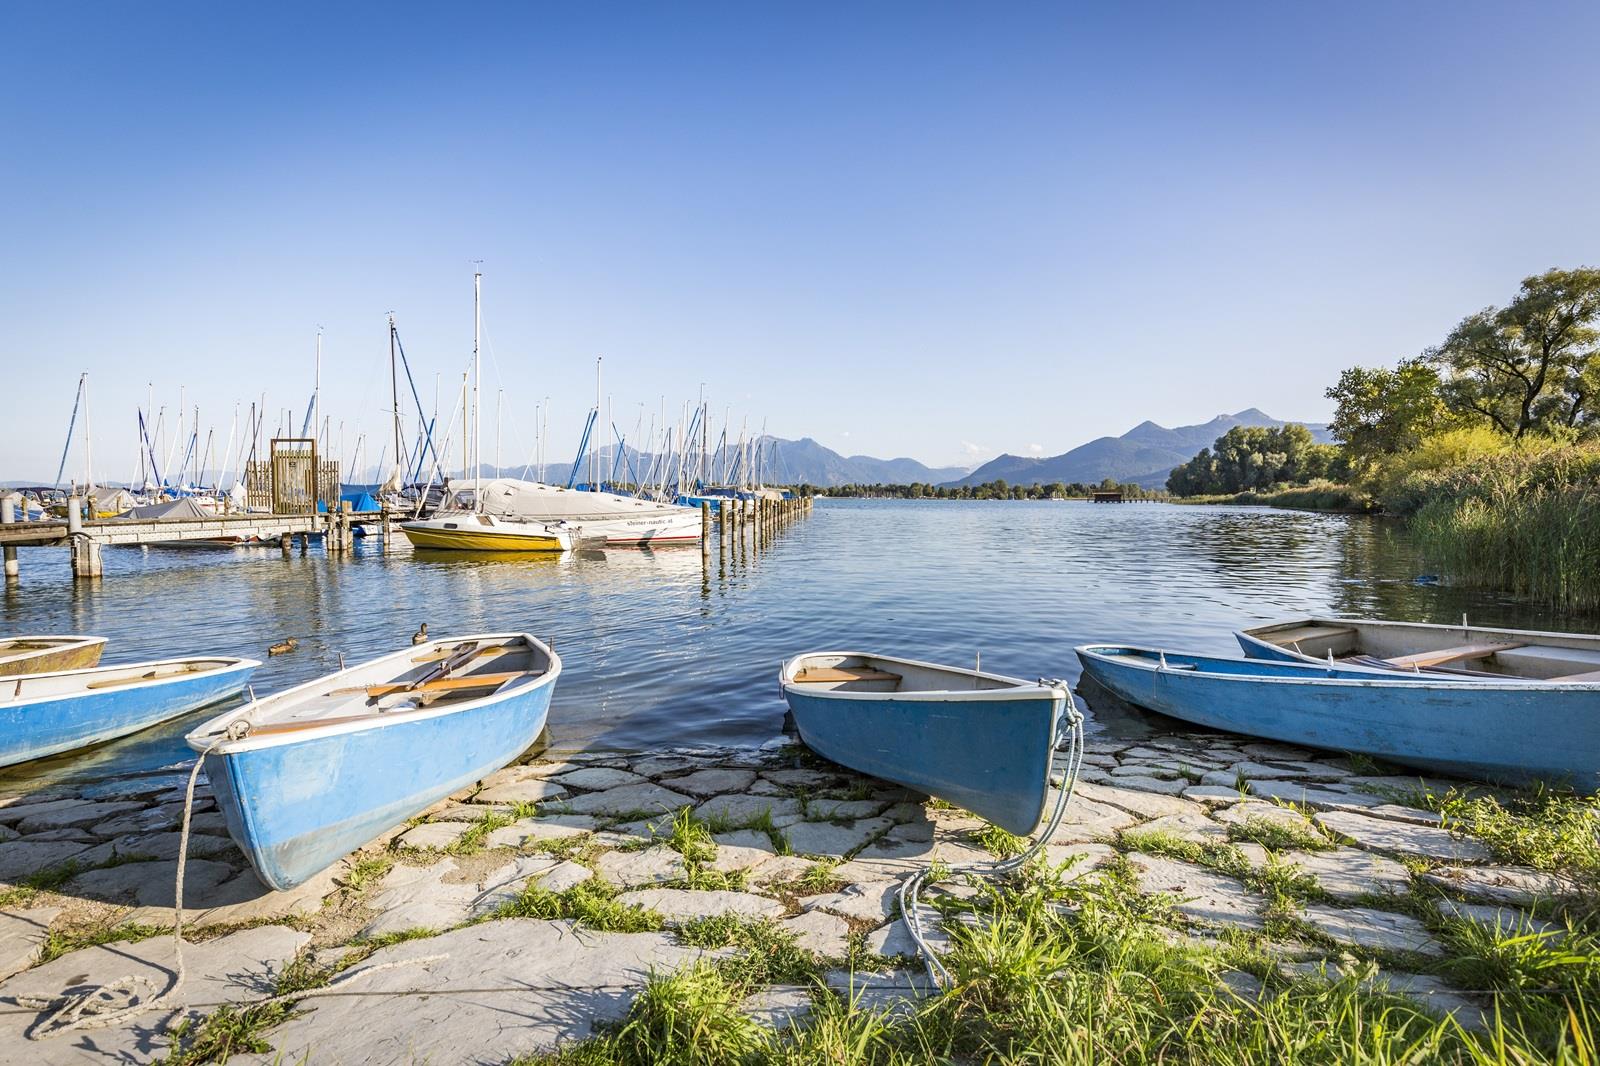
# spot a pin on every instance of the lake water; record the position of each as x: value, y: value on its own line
x: 660, y: 651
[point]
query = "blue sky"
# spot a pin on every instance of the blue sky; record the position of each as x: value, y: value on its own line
x: 934, y: 230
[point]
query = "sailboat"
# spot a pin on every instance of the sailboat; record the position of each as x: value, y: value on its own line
x: 467, y: 526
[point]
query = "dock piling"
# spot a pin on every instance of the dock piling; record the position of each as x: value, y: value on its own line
x: 8, y: 514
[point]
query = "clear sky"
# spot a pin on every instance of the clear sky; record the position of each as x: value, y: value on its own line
x: 922, y: 229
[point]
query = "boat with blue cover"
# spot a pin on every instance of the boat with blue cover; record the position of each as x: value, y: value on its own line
x: 978, y: 740
x: 1511, y: 730
x: 1477, y: 651
x: 48, y: 713
x: 309, y: 775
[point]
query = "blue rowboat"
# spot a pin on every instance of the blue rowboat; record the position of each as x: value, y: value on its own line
x: 981, y: 741
x: 309, y: 775
x: 1509, y: 730
x: 44, y: 714
x: 1475, y: 651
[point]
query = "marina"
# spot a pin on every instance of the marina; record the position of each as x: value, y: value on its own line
x: 572, y: 536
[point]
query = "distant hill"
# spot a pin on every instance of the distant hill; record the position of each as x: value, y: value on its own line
x: 1144, y: 455
x: 783, y: 462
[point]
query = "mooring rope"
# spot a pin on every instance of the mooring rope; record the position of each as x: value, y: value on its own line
x: 912, y: 886
x: 68, y: 1013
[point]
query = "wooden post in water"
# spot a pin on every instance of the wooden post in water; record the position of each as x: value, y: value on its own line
x: 285, y: 542
x: 8, y: 515
x: 705, y: 528
x: 383, y: 518
x: 85, y: 549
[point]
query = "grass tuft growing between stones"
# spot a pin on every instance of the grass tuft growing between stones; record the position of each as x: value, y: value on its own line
x: 1277, y: 836
x: 1548, y: 830
x: 231, y: 1030
x: 1001, y: 844
x: 591, y: 903
x: 60, y: 942
x: 765, y: 953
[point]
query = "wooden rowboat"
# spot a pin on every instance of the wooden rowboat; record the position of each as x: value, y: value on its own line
x: 309, y: 775
x: 44, y: 714
x: 1502, y: 729
x: 981, y: 741
x: 1419, y: 647
x: 42, y: 655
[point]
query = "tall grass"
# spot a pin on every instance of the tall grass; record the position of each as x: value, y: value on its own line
x: 1522, y: 521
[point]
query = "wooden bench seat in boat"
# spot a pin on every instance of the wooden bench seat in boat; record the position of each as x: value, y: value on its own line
x: 1303, y: 633
x: 816, y: 675
x: 449, y: 684
x: 1450, y: 655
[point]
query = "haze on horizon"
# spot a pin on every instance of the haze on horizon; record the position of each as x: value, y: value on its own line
x: 936, y: 231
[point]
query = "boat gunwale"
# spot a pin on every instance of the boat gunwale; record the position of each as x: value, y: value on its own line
x: 1016, y: 687
x: 1259, y: 632
x: 231, y: 664
x: 205, y: 736
x: 1387, y: 678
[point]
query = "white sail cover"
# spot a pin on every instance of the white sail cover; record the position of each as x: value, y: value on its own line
x: 538, y: 502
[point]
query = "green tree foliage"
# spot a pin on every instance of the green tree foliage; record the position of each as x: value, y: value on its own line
x: 1533, y: 365
x: 1382, y: 411
x: 1257, y: 457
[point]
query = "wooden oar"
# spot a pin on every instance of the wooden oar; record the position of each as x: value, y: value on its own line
x: 448, y: 684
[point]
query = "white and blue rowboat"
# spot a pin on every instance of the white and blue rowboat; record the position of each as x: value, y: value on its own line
x: 1508, y: 730
x: 980, y: 741
x: 309, y: 775
x: 1474, y: 651
x: 45, y: 714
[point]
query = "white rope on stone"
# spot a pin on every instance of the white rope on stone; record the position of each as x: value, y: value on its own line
x: 1070, y: 721
x: 81, y: 1010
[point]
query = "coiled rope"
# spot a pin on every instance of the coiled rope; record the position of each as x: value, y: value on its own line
x: 1069, y: 720
x: 81, y: 1010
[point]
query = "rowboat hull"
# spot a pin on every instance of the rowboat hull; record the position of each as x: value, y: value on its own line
x: 987, y: 750
x: 75, y: 716
x: 297, y: 803
x: 46, y: 655
x: 1516, y: 732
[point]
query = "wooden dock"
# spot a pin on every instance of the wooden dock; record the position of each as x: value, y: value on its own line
x: 86, y: 538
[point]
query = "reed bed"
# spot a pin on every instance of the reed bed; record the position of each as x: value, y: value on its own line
x: 1525, y: 523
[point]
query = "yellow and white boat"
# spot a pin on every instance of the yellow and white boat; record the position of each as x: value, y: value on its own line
x: 469, y: 531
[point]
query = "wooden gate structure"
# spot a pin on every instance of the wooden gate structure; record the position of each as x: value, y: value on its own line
x: 294, y: 480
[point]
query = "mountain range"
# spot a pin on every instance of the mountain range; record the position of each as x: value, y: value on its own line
x: 1144, y: 455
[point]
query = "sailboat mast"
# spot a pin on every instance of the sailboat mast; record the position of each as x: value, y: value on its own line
x: 477, y: 382
x: 594, y: 453
x: 394, y: 393
x: 88, y: 440
x: 316, y: 390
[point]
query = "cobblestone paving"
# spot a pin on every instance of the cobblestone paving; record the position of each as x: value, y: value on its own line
x: 86, y: 876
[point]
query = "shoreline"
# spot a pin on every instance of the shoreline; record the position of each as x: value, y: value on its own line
x: 570, y: 883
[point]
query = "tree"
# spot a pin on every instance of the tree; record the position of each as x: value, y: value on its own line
x: 1529, y: 365
x: 1380, y: 411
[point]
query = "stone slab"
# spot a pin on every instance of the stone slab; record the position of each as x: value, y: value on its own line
x: 1141, y: 804
x: 1522, y: 885
x: 529, y: 831
x: 819, y: 932
x: 528, y: 790
x: 238, y: 967
x: 682, y: 905
x: 553, y: 984
x: 419, y: 897
x: 742, y: 810
x: 436, y: 835
x: 1349, y: 873
x: 149, y: 884
x: 626, y: 799
x: 23, y: 858
x: 711, y: 782
x: 22, y: 935
x: 868, y: 901
x: 1373, y: 929
x: 1400, y: 838
x: 634, y: 869
x: 599, y: 778
x: 825, y: 838
x: 1202, y: 895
